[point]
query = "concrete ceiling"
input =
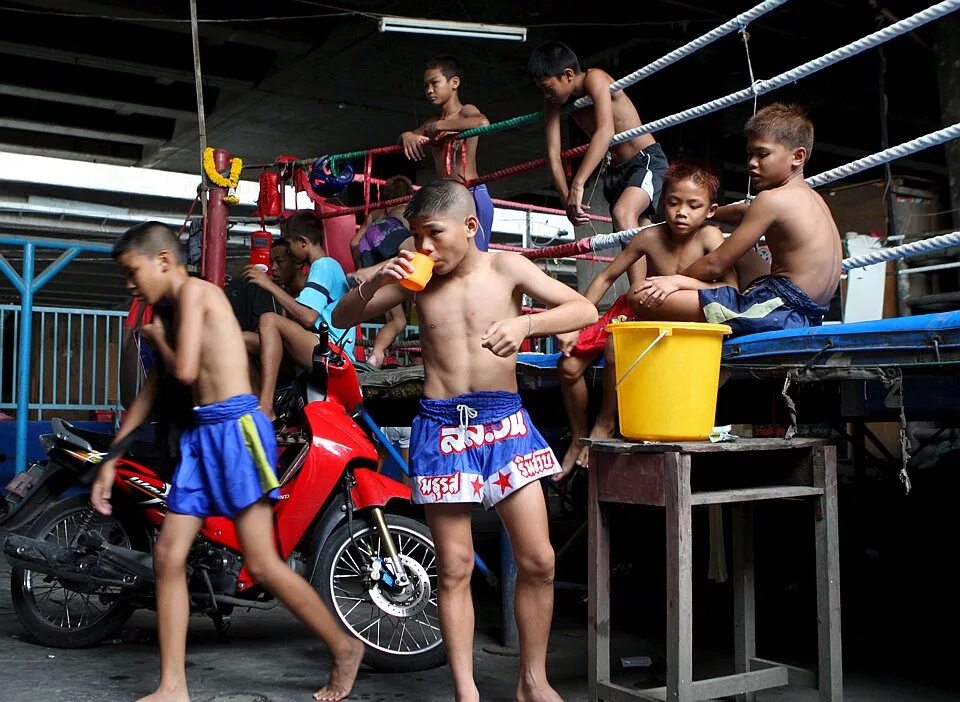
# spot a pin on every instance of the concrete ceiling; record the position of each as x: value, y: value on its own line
x: 113, y: 82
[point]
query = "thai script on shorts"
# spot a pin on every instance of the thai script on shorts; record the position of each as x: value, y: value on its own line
x: 439, y: 486
x: 532, y: 465
x: 457, y: 440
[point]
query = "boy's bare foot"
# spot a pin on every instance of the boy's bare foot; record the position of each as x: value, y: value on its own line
x: 599, y: 431
x: 569, y: 461
x: 179, y: 694
x: 344, y: 672
x: 537, y: 693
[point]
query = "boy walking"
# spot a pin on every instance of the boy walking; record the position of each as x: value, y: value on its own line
x: 689, y: 198
x: 226, y: 463
x: 804, y: 243
x: 295, y: 334
x: 472, y: 441
x: 442, y: 77
x: 632, y: 181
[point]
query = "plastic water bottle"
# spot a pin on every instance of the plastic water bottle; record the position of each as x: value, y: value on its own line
x: 260, y: 250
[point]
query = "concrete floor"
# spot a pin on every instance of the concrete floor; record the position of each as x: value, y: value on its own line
x: 270, y: 657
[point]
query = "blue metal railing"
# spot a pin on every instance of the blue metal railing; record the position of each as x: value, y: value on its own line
x: 75, y: 355
x: 27, y: 285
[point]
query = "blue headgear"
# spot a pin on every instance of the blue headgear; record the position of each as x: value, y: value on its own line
x: 324, y: 182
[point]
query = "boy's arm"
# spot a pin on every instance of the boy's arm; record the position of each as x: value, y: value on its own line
x: 731, y: 215
x: 184, y: 360
x: 758, y: 218
x: 551, y: 123
x: 569, y: 310
x: 470, y: 118
x: 306, y: 316
x: 375, y: 296
x: 598, y: 88
x: 634, y: 251
x: 362, y: 275
x: 396, y: 321
x: 414, y: 141
x: 355, y: 240
x: 654, y: 290
x: 137, y: 414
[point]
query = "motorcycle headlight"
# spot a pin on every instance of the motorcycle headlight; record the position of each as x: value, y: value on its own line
x: 48, y: 441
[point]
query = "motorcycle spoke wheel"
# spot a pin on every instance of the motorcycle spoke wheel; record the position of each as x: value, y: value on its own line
x: 391, y: 620
x: 74, y: 605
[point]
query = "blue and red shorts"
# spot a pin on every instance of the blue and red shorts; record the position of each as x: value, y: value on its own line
x: 226, y: 460
x: 769, y: 303
x: 477, y: 447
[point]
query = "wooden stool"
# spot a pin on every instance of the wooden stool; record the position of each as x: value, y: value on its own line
x: 677, y: 477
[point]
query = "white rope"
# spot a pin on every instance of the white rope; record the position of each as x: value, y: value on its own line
x: 894, y: 253
x: 894, y: 152
x: 607, y: 241
x: 736, y: 24
x: 795, y: 74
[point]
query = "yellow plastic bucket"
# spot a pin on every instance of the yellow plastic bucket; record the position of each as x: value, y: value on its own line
x: 667, y: 378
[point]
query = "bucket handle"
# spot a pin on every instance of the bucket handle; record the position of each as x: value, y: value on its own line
x: 665, y: 331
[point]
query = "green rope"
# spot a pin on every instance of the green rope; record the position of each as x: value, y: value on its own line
x: 505, y: 124
x: 335, y: 159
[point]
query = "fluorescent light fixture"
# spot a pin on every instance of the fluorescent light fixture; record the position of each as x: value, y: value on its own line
x: 415, y: 25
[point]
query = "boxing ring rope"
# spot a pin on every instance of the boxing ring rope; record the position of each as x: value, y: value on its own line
x: 809, y: 68
x: 895, y: 253
x: 738, y: 23
x: 758, y: 88
x: 599, y: 242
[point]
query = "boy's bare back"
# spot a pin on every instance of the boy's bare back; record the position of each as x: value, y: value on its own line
x: 803, y: 239
x: 625, y: 116
x: 203, y: 313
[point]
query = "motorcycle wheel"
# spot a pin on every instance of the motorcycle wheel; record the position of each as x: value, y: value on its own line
x: 64, y: 614
x: 399, y: 627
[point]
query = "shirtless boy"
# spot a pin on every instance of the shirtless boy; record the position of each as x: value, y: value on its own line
x: 442, y: 79
x: 689, y: 198
x: 632, y: 181
x: 226, y: 463
x: 804, y: 243
x: 472, y: 441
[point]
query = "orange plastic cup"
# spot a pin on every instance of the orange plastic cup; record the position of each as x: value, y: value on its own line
x: 422, y: 272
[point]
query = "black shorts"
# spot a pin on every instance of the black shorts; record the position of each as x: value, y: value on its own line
x: 643, y: 170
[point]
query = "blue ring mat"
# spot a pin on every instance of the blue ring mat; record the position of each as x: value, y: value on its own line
x: 927, y: 338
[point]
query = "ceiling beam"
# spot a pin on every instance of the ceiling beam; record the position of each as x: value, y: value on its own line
x: 159, y: 73
x: 12, y: 148
x: 67, y: 130
x: 121, y: 107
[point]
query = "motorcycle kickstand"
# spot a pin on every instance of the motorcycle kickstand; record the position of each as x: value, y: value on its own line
x: 219, y: 621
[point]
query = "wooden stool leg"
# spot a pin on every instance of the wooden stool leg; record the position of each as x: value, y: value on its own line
x: 679, y: 578
x: 828, y: 576
x: 744, y: 611
x: 598, y: 588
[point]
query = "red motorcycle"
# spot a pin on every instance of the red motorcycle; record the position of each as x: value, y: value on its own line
x: 77, y: 576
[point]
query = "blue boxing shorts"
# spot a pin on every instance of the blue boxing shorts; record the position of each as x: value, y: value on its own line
x: 226, y: 461
x: 481, y: 197
x: 769, y: 303
x: 477, y: 447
